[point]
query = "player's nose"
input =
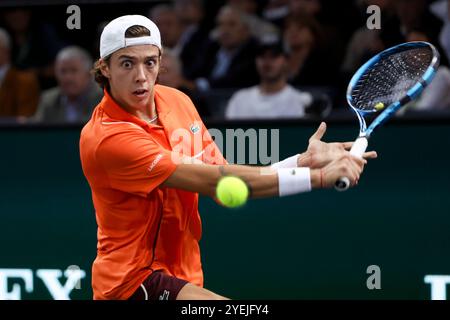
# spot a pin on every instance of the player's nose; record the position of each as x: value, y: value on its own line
x: 140, y: 73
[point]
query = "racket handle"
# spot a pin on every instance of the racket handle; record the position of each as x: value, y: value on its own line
x: 357, y: 150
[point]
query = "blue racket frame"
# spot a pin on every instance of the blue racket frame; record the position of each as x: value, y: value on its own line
x: 360, y: 144
x: 412, y: 94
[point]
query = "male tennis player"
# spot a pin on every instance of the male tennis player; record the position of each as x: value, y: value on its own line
x: 145, y: 187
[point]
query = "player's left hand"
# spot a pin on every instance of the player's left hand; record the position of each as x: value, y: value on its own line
x: 319, y: 153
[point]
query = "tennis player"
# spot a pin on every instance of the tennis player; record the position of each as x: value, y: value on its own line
x: 145, y: 186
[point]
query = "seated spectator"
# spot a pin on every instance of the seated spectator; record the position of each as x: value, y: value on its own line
x: 228, y: 62
x: 273, y: 97
x: 34, y: 44
x: 73, y: 100
x: 437, y: 95
x: 276, y: 11
x: 194, y: 33
x: 19, y: 90
x: 336, y: 19
x: 365, y: 43
x: 171, y: 76
x: 441, y: 10
x: 259, y: 28
x: 181, y: 31
x: 308, y: 7
x: 309, y: 63
x: 169, y: 25
x: 409, y: 15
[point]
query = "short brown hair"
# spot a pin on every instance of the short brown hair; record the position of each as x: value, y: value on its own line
x: 132, y: 32
x: 304, y: 21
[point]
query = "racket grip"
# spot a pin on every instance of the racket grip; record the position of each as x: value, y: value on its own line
x: 357, y: 150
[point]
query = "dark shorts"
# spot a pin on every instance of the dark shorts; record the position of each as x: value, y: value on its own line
x: 159, y: 286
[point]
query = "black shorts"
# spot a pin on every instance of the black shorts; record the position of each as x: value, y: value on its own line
x: 159, y: 286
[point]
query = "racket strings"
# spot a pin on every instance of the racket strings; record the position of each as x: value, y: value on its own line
x: 391, y: 78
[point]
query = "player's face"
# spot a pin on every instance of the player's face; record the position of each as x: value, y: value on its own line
x: 132, y: 74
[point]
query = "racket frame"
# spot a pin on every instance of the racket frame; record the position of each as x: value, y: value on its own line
x: 361, y: 143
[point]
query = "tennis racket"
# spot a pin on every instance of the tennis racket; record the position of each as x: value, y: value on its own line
x: 384, y: 84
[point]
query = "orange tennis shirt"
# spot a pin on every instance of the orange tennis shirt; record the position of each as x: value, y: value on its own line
x: 141, y: 226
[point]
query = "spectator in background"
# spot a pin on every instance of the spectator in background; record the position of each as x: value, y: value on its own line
x: 73, y: 100
x: 436, y: 96
x: 171, y: 67
x: 441, y: 10
x: 365, y: 42
x: 171, y: 76
x: 409, y: 15
x: 307, y: 7
x: 34, y: 45
x: 194, y: 34
x: 273, y: 97
x: 228, y: 62
x: 330, y: 14
x: 165, y: 17
x: 309, y: 63
x: 334, y: 19
x: 19, y: 90
x: 181, y: 30
x: 276, y: 11
x: 258, y: 27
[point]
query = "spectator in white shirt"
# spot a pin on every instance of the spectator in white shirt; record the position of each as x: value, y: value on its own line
x: 273, y: 98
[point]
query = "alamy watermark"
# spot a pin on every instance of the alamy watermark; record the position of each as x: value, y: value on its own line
x: 374, y: 21
x: 374, y: 280
x: 74, y: 20
x: 240, y: 146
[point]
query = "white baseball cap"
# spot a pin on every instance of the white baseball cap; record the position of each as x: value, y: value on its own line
x: 113, y: 35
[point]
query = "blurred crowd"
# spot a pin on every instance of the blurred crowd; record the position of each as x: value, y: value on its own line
x: 236, y: 59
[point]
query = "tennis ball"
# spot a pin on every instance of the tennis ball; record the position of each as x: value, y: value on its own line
x: 379, y: 106
x: 232, y: 192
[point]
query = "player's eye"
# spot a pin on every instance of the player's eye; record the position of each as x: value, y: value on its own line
x: 126, y: 64
x: 151, y: 63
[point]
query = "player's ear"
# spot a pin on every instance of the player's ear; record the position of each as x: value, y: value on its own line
x: 104, y: 68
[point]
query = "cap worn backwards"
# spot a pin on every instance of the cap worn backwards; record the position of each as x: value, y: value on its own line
x: 113, y: 35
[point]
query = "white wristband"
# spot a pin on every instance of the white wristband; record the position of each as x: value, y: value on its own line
x: 293, y: 180
x: 290, y: 162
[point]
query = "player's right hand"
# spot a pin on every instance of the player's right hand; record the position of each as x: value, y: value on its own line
x: 345, y: 166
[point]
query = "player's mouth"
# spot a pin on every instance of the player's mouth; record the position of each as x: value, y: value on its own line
x: 141, y: 93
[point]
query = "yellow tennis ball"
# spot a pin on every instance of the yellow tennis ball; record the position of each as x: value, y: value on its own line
x: 232, y: 192
x: 379, y: 106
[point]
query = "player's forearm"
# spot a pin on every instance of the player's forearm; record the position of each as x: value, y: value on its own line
x: 264, y: 181
x: 202, y: 178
